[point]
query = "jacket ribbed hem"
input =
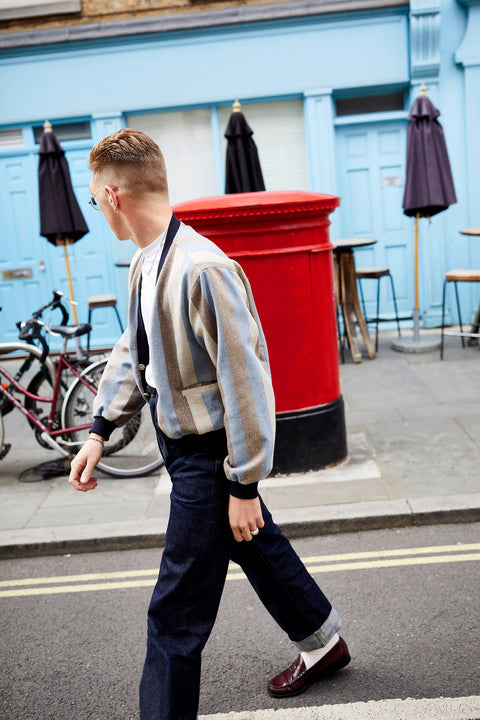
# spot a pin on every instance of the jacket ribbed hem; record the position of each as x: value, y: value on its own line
x: 103, y: 427
x: 244, y: 492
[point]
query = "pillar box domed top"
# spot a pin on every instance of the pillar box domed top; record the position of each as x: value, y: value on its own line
x: 235, y: 216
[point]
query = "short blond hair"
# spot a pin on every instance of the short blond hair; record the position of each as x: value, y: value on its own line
x: 133, y: 159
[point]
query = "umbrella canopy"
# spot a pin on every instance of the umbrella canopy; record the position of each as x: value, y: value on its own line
x: 243, y: 171
x: 429, y: 184
x: 61, y: 219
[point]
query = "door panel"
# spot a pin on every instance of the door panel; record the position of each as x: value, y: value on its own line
x: 21, y: 248
x: 371, y: 162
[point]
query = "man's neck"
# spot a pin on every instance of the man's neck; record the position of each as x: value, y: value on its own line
x: 148, y: 222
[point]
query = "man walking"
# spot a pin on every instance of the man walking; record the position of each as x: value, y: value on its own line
x: 195, y: 351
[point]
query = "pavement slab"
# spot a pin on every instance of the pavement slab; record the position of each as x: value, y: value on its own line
x: 413, y: 432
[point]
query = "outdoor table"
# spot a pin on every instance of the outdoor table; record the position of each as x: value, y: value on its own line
x: 473, y: 231
x: 470, y: 231
x: 347, y: 294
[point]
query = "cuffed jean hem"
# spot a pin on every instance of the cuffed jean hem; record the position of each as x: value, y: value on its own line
x: 323, y: 635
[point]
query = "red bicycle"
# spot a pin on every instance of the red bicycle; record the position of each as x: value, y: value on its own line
x: 58, y: 400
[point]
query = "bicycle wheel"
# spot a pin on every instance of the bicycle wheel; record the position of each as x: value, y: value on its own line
x: 132, y: 450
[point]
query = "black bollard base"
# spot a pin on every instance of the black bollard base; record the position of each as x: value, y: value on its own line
x: 310, y: 439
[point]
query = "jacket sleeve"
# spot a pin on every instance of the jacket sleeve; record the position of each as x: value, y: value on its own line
x: 225, y: 320
x: 118, y: 397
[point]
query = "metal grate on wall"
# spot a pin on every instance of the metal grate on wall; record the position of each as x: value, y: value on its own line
x: 66, y: 131
x: 11, y: 138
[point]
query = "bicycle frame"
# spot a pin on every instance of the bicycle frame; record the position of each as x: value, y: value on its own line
x: 48, y: 432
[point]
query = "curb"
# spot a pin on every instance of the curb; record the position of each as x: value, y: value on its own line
x: 295, y: 523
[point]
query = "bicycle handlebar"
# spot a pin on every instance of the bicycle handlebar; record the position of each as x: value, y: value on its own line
x: 56, y: 302
x: 31, y: 329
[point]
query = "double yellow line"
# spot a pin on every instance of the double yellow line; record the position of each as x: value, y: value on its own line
x: 127, y: 579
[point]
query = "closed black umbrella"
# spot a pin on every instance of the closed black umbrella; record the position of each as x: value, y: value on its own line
x: 429, y: 185
x: 61, y: 220
x: 243, y: 171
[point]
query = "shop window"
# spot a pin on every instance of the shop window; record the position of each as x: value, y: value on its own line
x: 370, y: 104
x: 66, y: 131
x: 186, y: 140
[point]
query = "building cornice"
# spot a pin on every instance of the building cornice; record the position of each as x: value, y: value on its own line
x: 191, y: 21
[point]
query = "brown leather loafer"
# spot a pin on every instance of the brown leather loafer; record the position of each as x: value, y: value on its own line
x: 295, y: 679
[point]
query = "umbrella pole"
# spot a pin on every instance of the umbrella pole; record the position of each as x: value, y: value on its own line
x: 416, y: 310
x: 70, y: 284
x: 416, y: 344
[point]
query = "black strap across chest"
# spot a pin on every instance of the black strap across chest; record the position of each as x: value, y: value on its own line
x: 143, y: 351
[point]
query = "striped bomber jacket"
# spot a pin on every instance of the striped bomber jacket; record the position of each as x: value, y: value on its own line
x: 208, y: 357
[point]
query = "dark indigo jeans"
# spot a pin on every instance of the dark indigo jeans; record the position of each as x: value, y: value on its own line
x: 199, y: 545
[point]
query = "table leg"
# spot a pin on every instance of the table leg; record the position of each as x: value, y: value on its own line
x: 357, y: 308
x: 347, y: 307
x: 352, y: 311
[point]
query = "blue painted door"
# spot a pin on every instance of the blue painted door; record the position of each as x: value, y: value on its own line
x: 371, y: 175
x: 23, y: 249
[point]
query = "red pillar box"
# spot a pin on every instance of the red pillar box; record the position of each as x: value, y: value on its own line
x: 281, y: 241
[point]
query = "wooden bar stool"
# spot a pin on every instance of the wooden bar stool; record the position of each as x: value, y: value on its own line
x: 456, y: 276
x: 366, y: 273
x: 102, y: 301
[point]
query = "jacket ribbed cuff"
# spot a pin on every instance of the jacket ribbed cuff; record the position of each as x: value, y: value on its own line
x: 103, y: 427
x: 244, y: 492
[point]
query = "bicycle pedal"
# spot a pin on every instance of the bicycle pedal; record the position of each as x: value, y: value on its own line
x: 5, y: 450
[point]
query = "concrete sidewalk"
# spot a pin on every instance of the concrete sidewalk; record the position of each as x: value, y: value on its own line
x: 413, y: 425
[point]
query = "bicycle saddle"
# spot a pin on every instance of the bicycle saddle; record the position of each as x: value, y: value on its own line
x: 70, y: 331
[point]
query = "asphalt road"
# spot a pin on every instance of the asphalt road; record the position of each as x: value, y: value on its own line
x: 72, y: 635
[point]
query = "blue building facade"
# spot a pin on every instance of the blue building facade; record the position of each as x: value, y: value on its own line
x: 326, y: 88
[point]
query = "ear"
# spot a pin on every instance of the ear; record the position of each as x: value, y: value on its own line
x: 113, y: 197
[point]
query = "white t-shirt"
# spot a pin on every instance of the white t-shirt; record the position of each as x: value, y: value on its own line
x: 151, y: 254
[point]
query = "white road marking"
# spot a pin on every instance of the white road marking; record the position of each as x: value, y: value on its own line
x: 463, y: 708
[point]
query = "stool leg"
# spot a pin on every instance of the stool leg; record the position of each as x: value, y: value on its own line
x: 443, y: 318
x: 395, y: 304
x: 367, y: 319
x: 88, y: 336
x: 378, y: 314
x: 118, y: 318
x: 459, y: 314
x: 362, y: 299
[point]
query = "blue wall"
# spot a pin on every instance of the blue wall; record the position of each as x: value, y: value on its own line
x: 173, y: 70
x: 318, y: 59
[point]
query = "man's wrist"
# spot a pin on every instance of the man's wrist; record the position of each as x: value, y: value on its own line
x: 96, y: 438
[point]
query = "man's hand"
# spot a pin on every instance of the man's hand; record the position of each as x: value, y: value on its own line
x: 244, y: 516
x: 83, y: 465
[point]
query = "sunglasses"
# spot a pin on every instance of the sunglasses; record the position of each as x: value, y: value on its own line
x: 93, y: 202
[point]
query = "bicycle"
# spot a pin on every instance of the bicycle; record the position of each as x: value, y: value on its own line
x: 132, y: 451
x: 30, y: 332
